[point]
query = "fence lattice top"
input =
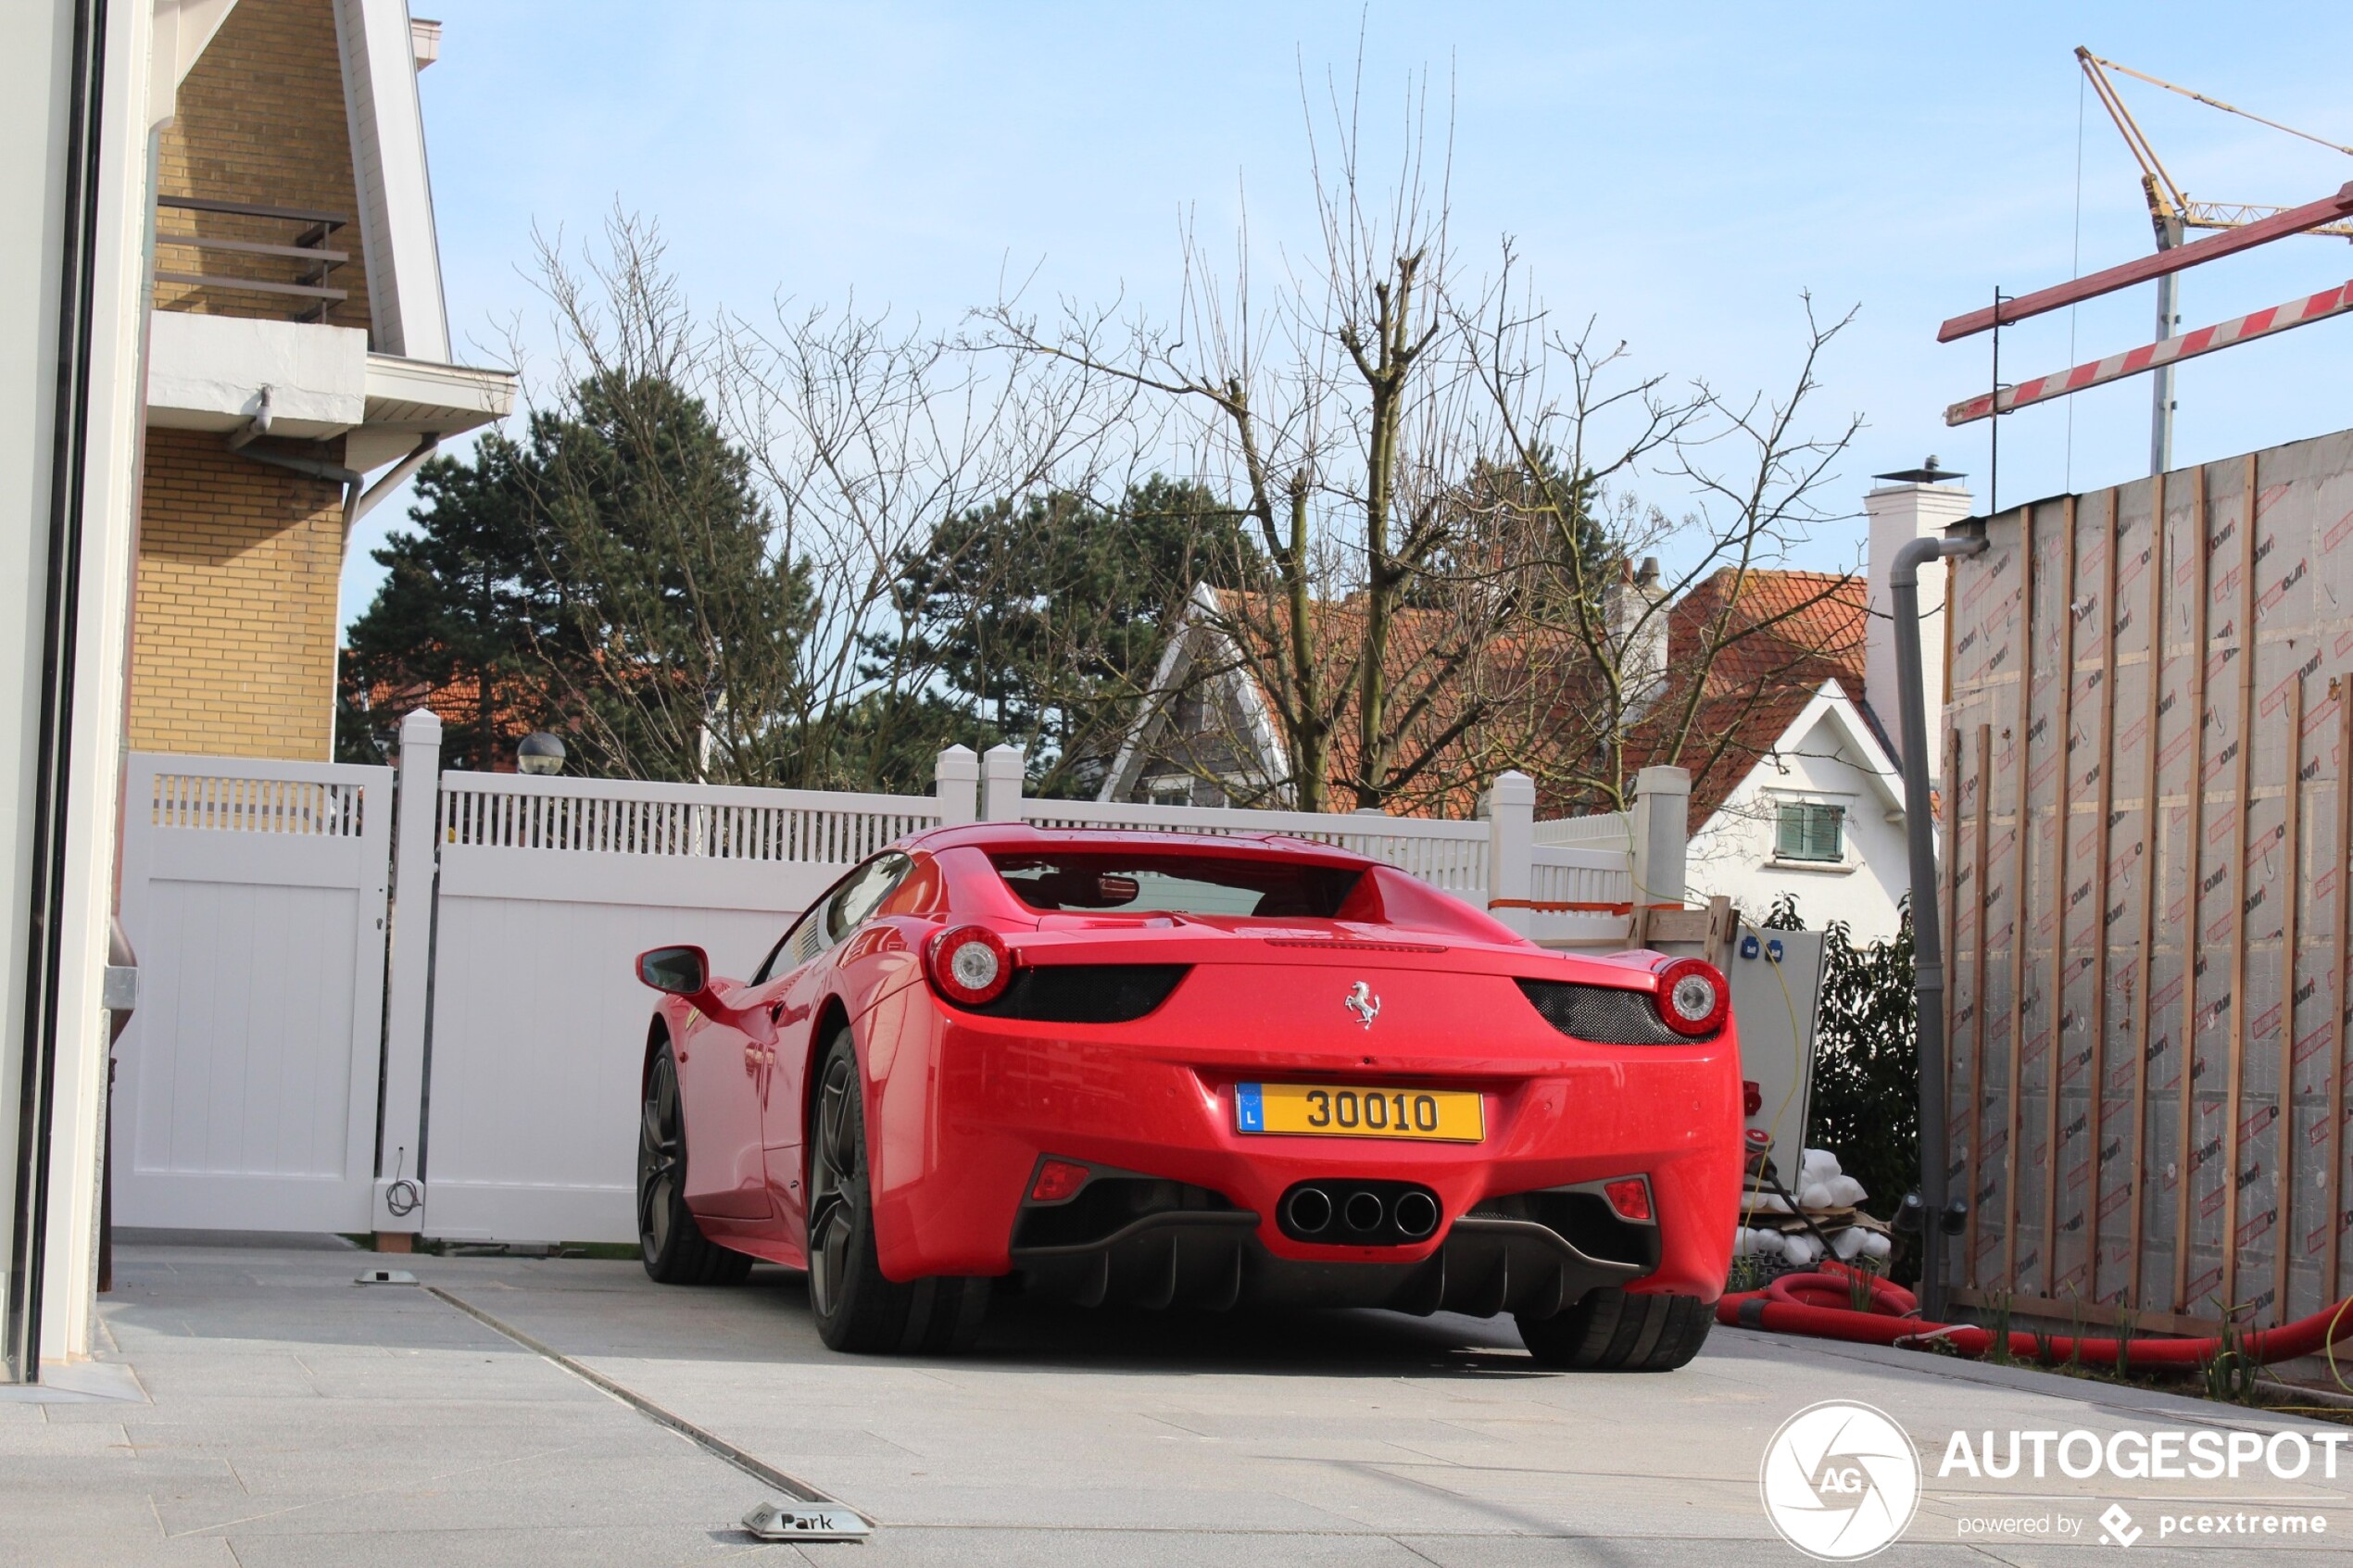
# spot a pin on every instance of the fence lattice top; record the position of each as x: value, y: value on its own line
x: 594, y: 817
x: 309, y: 809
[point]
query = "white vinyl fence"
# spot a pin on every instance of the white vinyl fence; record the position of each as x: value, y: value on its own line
x: 510, y: 1033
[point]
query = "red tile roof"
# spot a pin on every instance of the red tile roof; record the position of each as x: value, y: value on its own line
x: 1790, y: 631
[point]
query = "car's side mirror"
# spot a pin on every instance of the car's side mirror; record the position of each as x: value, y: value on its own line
x: 681, y: 971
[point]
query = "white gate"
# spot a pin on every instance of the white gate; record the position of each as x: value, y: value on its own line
x: 254, y: 893
x: 550, y: 888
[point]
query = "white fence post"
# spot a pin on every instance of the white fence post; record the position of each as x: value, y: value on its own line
x: 1000, y: 784
x: 399, y: 1206
x: 1662, y: 833
x: 956, y: 785
x: 1511, y: 842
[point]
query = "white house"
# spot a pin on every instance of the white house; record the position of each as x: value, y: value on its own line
x: 1803, y: 797
x: 1819, y: 815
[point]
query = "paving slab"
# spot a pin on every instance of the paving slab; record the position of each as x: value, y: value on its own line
x: 261, y: 1408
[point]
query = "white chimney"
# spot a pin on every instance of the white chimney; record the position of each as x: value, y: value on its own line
x: 1917, y: 504
x: 1638, y: 629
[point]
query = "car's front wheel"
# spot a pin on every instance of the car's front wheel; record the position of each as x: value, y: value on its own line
x: 857, y: 1309
x: 675, y: 1250
x: 1611, y: 1330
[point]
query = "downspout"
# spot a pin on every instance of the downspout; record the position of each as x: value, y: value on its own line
x: 1927, y: 939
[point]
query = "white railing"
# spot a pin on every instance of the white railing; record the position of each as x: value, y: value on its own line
x: 715, y: 821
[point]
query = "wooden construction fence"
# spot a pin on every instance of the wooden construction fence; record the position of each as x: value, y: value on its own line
x: 2147, y: 836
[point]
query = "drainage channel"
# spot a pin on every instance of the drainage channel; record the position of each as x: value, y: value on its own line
x: 803, y: 1524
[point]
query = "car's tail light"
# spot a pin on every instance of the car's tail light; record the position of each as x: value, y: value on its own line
x: 1631, y: 1197
x: 968, y: 964
x: 1057, y: 1179
x: 1693, y: 998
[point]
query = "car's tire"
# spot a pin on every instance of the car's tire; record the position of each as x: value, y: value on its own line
x: 1613, y: 1330
x: 857, y: 1307
x: 675, y: 1250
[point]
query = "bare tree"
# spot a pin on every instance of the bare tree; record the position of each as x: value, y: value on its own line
x: 1663, y: 671
x: 1442, y: 487
x: 1336, y: 410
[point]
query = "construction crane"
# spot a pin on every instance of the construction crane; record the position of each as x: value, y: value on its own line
x: 2171, y: 213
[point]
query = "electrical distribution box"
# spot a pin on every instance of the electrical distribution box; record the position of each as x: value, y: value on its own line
x: 1776, y: 978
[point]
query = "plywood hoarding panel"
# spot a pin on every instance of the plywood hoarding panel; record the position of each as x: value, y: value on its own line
x: 2151, y: 836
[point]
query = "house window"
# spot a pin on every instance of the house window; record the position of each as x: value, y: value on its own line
x: 1811, y: 832
x: 1171, y: 791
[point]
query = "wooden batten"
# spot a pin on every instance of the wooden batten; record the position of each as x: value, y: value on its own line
x: 2063, y: 810
x: 2152, y: 836
x: 2018, y: 835
x: 2194, y: 847
x: 2242, y: 793
x: 1977, y: 995
x: 2291, y: 852
x: 2097, y: 1082
x: 2340, y: 949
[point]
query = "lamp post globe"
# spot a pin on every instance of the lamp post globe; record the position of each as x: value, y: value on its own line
x: 539, y: 752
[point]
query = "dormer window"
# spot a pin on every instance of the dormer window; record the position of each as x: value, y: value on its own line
x: 1807, y: 830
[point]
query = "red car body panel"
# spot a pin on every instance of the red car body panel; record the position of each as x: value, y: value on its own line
x: 961, y: 1106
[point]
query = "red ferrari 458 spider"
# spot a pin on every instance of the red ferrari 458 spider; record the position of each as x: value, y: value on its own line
x: 1191, y: 1071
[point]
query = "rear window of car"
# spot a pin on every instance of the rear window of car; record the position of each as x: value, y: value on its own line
x: 1182, y: 885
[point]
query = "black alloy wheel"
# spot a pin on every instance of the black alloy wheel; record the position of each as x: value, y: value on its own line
x: 857, y: 1309
x: 675, y: 1250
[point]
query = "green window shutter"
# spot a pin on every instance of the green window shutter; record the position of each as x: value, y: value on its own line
x: 1810, y: 832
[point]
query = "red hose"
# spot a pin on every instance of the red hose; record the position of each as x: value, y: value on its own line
x: 1816, y: 1305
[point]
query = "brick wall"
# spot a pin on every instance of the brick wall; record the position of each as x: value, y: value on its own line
x: 233, y: 621
x: 261, y: 120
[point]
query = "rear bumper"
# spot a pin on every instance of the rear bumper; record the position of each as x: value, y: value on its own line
x: 962, y: 1108
x: 1484, y: 1264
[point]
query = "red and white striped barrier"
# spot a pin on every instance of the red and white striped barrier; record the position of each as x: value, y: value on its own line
x: 2205, y: 340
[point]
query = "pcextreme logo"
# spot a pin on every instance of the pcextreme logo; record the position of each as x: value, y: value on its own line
x: 1840, y: 1481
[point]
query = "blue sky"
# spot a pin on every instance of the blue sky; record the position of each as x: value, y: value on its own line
x: 1680, y: 172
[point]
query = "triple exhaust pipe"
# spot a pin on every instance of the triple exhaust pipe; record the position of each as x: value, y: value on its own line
x: 1360, y: 1213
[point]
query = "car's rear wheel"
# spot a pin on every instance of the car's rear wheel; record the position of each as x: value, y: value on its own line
x: 1613, y: 1330
x: 857, y: 1307
x: 675, y: 1250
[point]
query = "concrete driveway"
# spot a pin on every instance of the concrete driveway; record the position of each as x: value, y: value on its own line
x: 265, y: 1410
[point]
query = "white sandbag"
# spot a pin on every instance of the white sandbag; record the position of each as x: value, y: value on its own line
x: 1849, y: 1243
x: 1877, y: 1246
x: 1846, y: 1191
x: 1816, y: 1165
x: 1817, y: 1196
x: 1801, y: 1249
x: 1766, y: 1203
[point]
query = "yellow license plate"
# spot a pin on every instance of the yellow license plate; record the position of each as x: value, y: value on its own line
x: 1327, y: 1110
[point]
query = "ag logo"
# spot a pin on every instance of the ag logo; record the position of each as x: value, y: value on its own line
x: 1361, y: 1001
x: 1840, y: 1481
